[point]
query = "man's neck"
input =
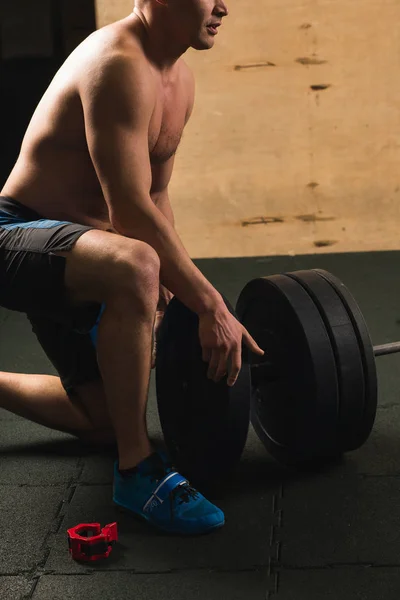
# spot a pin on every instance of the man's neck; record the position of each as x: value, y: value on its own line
x: 160, y: 50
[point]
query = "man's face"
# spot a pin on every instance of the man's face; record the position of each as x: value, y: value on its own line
x: 196, y: 22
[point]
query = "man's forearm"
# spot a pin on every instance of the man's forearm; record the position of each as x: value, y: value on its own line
x: 164, y: 206
x: 178, y: 272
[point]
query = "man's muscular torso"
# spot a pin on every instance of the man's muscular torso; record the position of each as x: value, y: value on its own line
x: 54, y: 174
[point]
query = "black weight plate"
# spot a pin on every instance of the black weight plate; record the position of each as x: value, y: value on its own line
x: 346, y: 350
x: 366, y: 424
x: 205, y: 424
x: 294, y: 413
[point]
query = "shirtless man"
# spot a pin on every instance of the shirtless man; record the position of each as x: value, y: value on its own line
x: 87, y: 235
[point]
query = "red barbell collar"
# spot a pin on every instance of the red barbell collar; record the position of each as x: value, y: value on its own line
x: 88, y: 542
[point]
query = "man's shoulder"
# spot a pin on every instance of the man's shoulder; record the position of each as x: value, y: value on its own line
x: 106, y: 56
x: 109, y: 45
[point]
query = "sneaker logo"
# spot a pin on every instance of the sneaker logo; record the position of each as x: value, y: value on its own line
x: 153, y: 504
x: 161, y: 493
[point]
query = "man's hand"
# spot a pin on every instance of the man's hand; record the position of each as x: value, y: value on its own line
x: 221, y: 337
x: 165, y: 298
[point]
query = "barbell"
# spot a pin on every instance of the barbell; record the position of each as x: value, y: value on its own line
x: 311, y: 397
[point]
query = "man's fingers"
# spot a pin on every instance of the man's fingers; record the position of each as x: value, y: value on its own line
x: 154, y: 352
x: 222, y: 367
x: 213, y: 365
x: 251, y: 343
x: 236, y: 365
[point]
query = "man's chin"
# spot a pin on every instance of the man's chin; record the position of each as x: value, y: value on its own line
x: 203, y: 44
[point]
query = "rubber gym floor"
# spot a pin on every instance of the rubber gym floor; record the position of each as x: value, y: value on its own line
x: 288, y: 535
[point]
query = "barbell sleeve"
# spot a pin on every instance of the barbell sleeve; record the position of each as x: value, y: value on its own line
x: 387, y: 349
x: 266, y: 370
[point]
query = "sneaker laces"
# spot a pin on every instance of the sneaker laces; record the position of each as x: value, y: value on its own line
x: 185, y: 493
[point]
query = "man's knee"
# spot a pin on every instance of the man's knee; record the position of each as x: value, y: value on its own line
x: 138, y: 274
x: 102, y: 265
x: 146, y: 265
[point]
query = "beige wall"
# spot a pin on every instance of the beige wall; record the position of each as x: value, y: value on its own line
x: 267, y: 164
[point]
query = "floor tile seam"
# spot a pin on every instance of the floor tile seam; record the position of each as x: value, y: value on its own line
x: 348, y: 476
x: 20, y: 573
x: 380, y: 475
x: 278, y: 567
x: 275, y: 543
x: 71, y: 481
x: 336, y: 566
x: 65, y: 484
x: 173, y: 571
x: 34, y: 584
x: 70, y: 491
x: 53, y: 529
x: 91, y: 484
x: 34, y: 574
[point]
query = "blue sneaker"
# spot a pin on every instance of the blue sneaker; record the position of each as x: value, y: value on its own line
x: 157, y: 493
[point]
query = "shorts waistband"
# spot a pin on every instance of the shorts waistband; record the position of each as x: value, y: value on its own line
x: 16, y: 211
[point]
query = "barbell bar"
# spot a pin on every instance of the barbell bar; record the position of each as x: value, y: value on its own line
x: 266, y: 369
x: 384, y: 349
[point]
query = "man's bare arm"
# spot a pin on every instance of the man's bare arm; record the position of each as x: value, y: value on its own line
x: 118, y: 100
x: 164, y: 205
x: 162, y: 174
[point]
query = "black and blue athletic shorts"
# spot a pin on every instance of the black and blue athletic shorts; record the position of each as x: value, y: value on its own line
x: 32, y: 282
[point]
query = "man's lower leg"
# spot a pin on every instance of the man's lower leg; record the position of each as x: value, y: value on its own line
x: 124, y: 355
x: 42, y: 399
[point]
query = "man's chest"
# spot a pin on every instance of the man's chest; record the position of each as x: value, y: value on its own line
x: 167, y: 124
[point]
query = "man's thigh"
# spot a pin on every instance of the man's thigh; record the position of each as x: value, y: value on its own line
x: 31, y: 273
x: 32, y: 281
